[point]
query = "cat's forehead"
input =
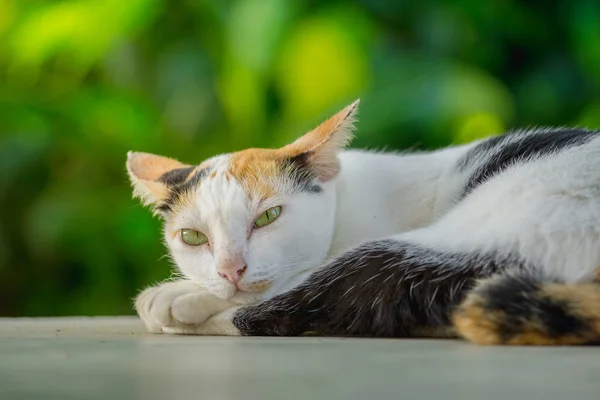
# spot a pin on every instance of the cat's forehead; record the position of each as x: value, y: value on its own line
x: 257, y: 170
x: 242, y: 163
x: 252, y: 176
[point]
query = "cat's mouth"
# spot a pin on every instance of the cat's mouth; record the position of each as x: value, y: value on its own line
x: 254, y: 287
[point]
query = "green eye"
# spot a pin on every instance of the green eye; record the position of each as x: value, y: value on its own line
x: 193, y: 238
x: 267, y: 217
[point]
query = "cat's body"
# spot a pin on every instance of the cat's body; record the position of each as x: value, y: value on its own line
x: 376, y: 244
x: 381, y: 194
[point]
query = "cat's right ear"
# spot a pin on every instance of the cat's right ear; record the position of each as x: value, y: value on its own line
x: 147, y: 174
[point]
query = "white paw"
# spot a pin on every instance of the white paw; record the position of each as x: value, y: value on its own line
x: 177, y: 304
x: 217, y: 325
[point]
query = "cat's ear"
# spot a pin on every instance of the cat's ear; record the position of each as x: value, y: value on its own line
x: 319, y: 147
x: 147, y: 173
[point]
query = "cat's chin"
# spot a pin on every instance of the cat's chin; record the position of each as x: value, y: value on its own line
x: 243, y: 295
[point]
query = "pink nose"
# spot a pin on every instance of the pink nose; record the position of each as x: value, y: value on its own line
x: 233, y: 275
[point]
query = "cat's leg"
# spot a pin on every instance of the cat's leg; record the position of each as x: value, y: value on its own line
x: 386, y: 288
x: 176, y: 306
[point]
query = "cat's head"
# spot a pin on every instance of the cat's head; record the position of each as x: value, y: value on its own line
x: 248, y: 223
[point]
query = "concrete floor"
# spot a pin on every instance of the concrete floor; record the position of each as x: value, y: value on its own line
x: 112, y: 358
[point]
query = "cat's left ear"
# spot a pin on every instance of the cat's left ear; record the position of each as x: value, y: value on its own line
x: 319, y: 148
x: 149, y: 175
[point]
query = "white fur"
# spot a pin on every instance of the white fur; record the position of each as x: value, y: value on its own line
x: 547, y: 211
x: 177, y: 304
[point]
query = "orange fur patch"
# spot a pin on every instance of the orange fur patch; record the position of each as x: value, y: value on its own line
x: 473, y: 323
x: 256, y: 170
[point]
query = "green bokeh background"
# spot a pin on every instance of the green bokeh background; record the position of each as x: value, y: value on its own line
x: 82, y: 82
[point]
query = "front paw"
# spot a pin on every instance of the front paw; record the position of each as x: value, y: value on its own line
x: 177, y: 305
x: 220, y: 324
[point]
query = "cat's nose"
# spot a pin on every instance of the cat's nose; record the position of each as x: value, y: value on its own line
x: 233, y: 275
x: 231, y: 267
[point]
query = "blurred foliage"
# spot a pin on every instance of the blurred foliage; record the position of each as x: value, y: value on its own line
x: 84, y: 81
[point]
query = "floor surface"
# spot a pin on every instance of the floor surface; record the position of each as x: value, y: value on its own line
x: 113, y: 358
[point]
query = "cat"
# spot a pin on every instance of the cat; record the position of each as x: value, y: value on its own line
x: 496, y: 241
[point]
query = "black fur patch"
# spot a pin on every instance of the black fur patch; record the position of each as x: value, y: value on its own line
x: 495, y: 154
x: 383, y: 289
x: 525, y: 307
x: 298, y: 169
x: 179, y: 184
x: 176, y: 176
